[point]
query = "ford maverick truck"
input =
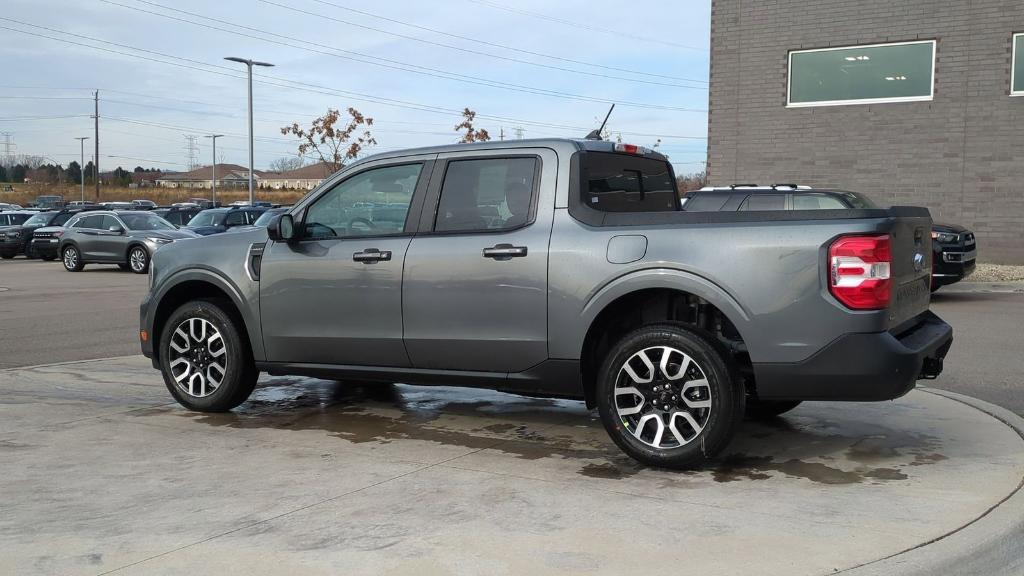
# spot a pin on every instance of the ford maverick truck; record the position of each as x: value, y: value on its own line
x: 554, y: 268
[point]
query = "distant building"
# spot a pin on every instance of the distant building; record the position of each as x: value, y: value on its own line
x: 917, y: 102
x: 228, y: 176
x: 305, y: 178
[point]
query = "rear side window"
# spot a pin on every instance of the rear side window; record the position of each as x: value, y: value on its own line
x: 817, y: 202
x: 764, y: 202
x: 90, y: 222
x: 705, y: 202
x: 486, y: 194
x: 624, y: 183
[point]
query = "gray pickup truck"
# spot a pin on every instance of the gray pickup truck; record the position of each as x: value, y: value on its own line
x: 555, y: 268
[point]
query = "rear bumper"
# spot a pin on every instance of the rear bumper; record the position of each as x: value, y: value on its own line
x: 861, y: 367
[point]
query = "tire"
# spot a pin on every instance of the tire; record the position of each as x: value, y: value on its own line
x: 7, y: 256
x: 72, y: 258
x: 701, y: 419
x: 768, y: 409
x: 138, y: 260
x: 48, y: 258
x: 227, y: 356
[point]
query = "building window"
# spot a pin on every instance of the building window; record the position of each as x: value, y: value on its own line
x: 1017, y: 66
x: 898, y: 72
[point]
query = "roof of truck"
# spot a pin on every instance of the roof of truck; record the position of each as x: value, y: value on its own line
x: 578, y: 144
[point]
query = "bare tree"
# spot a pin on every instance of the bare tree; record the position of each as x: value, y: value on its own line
x: 471, y: 134
x: 287, y: 163
x: 333, y: 144
x: 694, y: 181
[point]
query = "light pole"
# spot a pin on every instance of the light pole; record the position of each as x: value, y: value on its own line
x: 81, y: 167
x: 249, y: 64
x: 213, y: 176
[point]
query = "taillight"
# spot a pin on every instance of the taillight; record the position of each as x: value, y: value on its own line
x: 859, y: 271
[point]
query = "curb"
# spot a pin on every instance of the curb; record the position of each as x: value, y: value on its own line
x: 989, y: 544
x: 983, y: 287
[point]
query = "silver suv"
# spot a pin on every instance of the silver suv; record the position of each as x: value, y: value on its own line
x: 556, y: 268
x: 126, y: 238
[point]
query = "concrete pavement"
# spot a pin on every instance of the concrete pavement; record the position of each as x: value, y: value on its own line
x: 102, y: 475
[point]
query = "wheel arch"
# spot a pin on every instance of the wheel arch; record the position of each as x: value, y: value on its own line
x: 658, y: 296
x: 133, y: 244
x: 200, y: 284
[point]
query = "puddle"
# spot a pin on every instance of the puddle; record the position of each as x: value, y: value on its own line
x: 811, y: 448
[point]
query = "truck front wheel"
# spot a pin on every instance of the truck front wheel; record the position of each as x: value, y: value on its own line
x: 668, y: 396
x: 205, y: 357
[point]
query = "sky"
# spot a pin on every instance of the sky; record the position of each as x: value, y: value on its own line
x: 549, y: 68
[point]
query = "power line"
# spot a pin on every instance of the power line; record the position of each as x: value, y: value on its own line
x: 505, y: 46
x: 262, y: 35
x: 291, y: 84
x: 462, y: 49
x: 20, y: 118
x: 583, y: 26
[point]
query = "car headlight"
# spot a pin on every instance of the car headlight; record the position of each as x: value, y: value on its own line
x: 943, y: 237
x: 160, y: 240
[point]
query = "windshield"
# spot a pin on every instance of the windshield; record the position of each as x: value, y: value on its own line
x: 266, y: 217
x: 145, y: 222
x: 205, y: 219
x: 40, y: 219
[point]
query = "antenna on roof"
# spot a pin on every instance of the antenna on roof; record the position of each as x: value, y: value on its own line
x: 596, y: 134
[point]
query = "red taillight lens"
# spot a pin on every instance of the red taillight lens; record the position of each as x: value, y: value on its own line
x: 859, y: 271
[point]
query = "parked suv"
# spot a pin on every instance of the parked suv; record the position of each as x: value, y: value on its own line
x: 556, y: 268
x: 954, y: 254
x: 178, y: 215
x: 127, y: 238
x: 217, y: 220
x: 15, y: 240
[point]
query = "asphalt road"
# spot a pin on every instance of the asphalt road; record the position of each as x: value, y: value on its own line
x: 50, y: 315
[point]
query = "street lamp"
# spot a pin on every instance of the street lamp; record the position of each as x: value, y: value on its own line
x: 249, y: 64
x: 213, y: 176
x: 81, y: 167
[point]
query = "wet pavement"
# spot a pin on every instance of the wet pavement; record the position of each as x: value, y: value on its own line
x: 101, y: 473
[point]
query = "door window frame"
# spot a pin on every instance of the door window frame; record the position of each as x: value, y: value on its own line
x: 415, y: 203
x: 428, y: 218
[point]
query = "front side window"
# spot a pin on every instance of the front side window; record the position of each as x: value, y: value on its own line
x: 625, y: 183
x: 109, y: 222
x: 371, y: 203
x: 899, y: 72
x: 486, y: 194
x: 1017, y: 73
x: 92, y: 222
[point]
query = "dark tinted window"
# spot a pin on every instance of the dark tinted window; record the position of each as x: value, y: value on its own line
x: 764, y: 202
x: 93, y: 222
x: 623, y: 183
x: 62, y: 219
x: 492, y: 194
x: 371, y: 203
x: 705, y: 202
x: 236, y: 218
x: 145, y: 221
x: 858, y: 200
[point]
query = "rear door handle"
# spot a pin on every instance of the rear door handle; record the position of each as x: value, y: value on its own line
x: 505, y: 252
x: 371, y: 255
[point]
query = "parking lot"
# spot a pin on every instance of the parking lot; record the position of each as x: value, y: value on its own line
x: 103, y: 474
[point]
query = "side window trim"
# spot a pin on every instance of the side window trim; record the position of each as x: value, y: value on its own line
x: 415, y: 204
x: 433, y: 197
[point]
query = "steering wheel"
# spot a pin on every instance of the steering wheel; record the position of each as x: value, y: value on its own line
x: 363, y: 221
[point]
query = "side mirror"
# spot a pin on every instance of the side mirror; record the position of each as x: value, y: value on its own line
x: 281, y: 228
x: 116, y: 229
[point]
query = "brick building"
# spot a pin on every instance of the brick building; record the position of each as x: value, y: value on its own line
x: 911, y: 102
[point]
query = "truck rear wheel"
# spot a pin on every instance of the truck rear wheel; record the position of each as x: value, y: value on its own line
x: 669, y: 397
x: 205, y: 358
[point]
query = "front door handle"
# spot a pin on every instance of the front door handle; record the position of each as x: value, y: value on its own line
x: 505, y: 252
x: 371, y: 255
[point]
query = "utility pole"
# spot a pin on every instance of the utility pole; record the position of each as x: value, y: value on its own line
x: 249, y: 64
x: 96, y: 142
x: 501, y: 135
x: 213, y: 175
x: 519, y: 132
x: 81, y: 168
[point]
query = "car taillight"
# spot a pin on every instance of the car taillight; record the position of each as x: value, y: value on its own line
x: 859, y: 271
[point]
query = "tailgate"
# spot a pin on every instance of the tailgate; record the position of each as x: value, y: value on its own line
x: 911, y: 269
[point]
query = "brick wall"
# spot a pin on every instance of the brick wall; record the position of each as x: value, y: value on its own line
x: 962, y: 154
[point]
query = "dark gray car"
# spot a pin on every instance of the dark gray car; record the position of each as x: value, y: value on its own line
x: 126, y: 238
x: 556, y: 268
